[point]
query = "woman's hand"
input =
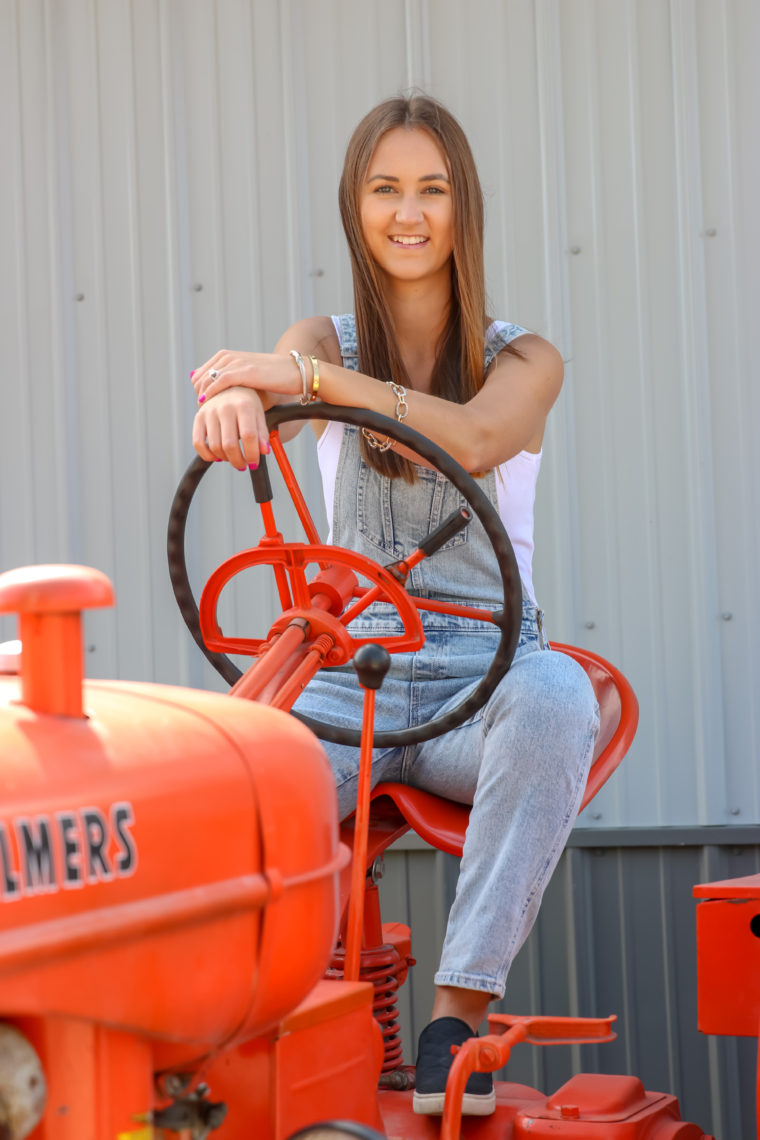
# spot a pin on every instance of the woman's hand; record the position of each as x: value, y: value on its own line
x: 233, y: 427
x: 233, y: 390
x: 261, y: 371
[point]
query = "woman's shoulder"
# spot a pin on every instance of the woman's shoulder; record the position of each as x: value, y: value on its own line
x: 315, y: 335
x: 499, y: 334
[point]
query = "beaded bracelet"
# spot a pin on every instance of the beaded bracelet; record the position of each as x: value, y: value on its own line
x: 402, y: 411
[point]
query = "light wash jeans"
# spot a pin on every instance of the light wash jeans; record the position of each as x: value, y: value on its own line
x: 522, y: 763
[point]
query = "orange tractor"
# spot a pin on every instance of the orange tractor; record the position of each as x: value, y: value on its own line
x: 173, y: 877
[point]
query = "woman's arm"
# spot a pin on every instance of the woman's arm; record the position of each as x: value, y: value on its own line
x: 506, y: 416
x: 232, y: 426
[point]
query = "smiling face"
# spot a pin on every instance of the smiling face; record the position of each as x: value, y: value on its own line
x: 407, y: 214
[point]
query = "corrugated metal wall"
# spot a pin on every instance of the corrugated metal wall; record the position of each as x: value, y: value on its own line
x: 168, y: 187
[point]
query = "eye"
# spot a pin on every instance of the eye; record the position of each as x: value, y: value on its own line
x: 383, y: 189
x: 434, y: 190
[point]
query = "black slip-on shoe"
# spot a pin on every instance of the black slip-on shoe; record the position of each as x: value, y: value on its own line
x: 434, y: 1059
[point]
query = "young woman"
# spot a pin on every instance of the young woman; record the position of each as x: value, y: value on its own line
x: 420, y: 347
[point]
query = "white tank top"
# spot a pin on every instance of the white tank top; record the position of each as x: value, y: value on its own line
x: 515, y: 479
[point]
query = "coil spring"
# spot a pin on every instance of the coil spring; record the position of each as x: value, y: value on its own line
x: 380, y: 966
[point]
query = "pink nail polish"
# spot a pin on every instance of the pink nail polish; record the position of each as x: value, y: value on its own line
x: 253, y: 466
x: 201, y: 399
x: 192, y: 374
x: 266, y: 448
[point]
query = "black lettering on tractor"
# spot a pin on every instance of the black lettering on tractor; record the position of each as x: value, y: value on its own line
x: 10, y: 877
x: 70, y: 849
x: 36, y: 854
x: 122, y: 818
x: 95, y: 831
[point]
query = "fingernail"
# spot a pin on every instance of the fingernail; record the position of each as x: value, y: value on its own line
x: 241, y: 469
x: 218, y: 461
x: 253, y: 466
x: 192, y: 374
x: 201, y: 399
x: 266, y: 448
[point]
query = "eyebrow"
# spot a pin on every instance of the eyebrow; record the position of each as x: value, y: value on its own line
x: 424, y: 178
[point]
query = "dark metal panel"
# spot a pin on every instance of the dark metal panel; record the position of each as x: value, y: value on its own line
x: 616, y: 934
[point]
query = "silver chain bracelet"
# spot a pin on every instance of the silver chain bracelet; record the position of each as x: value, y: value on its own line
x: 402, y: 411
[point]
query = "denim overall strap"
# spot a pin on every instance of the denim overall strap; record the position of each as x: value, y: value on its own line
x: 346, y: 330
x: 498, y: 337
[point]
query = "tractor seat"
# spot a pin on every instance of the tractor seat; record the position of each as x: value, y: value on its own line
x: 442, y: 823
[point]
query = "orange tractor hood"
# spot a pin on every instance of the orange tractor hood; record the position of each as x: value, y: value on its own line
x: 160, y: 853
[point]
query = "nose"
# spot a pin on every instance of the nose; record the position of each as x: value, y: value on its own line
x: 408, y: 210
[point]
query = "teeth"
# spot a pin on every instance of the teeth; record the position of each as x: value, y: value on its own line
x: 409, y: 240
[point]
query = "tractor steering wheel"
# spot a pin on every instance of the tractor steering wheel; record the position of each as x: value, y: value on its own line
x: 507, y: 619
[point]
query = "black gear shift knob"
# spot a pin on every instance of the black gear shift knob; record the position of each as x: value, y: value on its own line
x: 371, y: 663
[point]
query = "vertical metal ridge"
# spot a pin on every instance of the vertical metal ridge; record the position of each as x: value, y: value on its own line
x: 647, y: 474
x: 708, y: 720
x: 177, y: 346
x: 139, y: 498
x: 217, y: 166
x: 22, y: 516
x: 669, y: 968
x: 553, y: 175
x: 504, y: 201
x: 590, y: 313
x: 103, y: 284
x: 629, y: 996
x: 67, y: 512
x: 178, y: 292
x: 292, y: 94
x: 561, y: 427
x: 417, y: 27
x: 254, y: 216
x: 741, y: 570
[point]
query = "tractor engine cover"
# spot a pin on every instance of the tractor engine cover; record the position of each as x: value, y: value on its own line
x: 169, y: 858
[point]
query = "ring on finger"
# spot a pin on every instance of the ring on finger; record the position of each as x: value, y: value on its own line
x: 213, y: 374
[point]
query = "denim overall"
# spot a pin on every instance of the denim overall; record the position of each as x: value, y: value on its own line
x: 521, y: 761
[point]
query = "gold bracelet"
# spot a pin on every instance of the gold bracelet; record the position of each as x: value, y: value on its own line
x: 314, y: 379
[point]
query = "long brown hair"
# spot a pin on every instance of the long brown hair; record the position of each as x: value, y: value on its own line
x: 458, y: 368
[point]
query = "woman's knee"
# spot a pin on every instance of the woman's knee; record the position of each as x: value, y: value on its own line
x: 551, y: 688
